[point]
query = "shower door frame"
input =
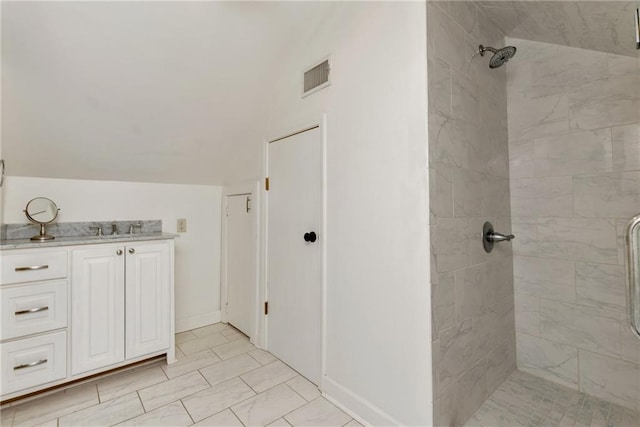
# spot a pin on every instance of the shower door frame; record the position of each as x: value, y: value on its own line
x: 632, y: 245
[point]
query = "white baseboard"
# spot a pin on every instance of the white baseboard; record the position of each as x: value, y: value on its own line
x: 197, y: 321
x: 360, y: 409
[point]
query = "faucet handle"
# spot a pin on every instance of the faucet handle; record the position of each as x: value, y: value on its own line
x: 114, y: 228
x: 98, y: 229
x: 132, y: 227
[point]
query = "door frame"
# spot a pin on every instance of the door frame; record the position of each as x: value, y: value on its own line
x: 251, y: 189
x: 284, y: 132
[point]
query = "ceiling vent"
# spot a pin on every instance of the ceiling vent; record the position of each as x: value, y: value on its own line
x: 316, y: 78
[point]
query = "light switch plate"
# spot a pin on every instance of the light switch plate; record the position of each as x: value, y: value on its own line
x: 182, y: 225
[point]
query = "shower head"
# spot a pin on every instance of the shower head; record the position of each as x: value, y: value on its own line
x: 500, y: 56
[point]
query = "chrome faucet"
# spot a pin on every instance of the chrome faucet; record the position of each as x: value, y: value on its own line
x: 98, y: 229
x: 114, y: 228
x: 132, y: 227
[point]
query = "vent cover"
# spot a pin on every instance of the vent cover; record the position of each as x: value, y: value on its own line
x: 316, y: 78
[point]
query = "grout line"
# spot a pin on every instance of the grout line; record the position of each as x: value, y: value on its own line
x: 185, y: 410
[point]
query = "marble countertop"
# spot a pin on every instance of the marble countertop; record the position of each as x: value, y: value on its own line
x: 83, y: 240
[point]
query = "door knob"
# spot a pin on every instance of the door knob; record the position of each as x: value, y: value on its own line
x: 131, y: 250
x: 119, y: 252
x: 310, y: 237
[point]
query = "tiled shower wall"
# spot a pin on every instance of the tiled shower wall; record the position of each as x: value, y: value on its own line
x: 472, y: 292
x: 574, y: 144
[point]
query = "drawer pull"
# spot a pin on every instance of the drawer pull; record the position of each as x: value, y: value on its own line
x: 29, y: 365
x: 35, y: 267
x: 31, y: 310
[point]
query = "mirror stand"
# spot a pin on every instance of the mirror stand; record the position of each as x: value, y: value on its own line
x: 43, y: 235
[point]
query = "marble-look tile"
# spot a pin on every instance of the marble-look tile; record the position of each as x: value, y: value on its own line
x: 619, y: 65
x: 319, y: 412
x: 304, y: 388
x: 580, y: 326
x: 621, y: 225
x: 549, y: 360
x: 446, y: 412
x: 465, y: 101
x: 475, y: 292
x: 630, y: 345
x: 108, y: 413
x: 526, y: 242
x: 441, y: 187
x: 492, y: 328
x: 203, y: 343
x: 603, y: 103
x: 129, y: 381
x: 527, y: 314
x: 495, y: 197
x: 566, y: 238
x: 439, y: 78
x: 268, y: 406
x: 219, y: 397
x: 449, y: 140
x: 544, y: 277
x: 501, y: 362
x: 611, y: 379
x: 448, y: 38
x: 185, y: 336
x: 538, y: 117
x: 232, y: 349
x: 600, y: 285
x: 443, y: 302
x: 626, y: 148
x: 214, y: 328
x: 522, y: 159
x: 55, y: 405
x: 160, y: 394
x: 562, y: 69
x: 225, y: 418
x: 451, y: 244
x: 464, y: 13
x: 542, y: 196
x: 472, y: 390
x: 173, y: 415
x: 615, y: 195
x: 190, y: 363
x: 263, y: 357
x: 456, y: 352
x: 221, y: 372
x: 575, y: 153
x: 268, y: 376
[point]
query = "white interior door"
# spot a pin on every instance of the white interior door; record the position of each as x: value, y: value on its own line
x: 294, y: 267
x: 239, y: 268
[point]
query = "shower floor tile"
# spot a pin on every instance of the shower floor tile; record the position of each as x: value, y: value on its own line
x: 530, y: 401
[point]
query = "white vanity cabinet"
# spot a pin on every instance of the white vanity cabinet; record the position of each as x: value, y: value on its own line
x: 70, y: 311
x: 121, y: 303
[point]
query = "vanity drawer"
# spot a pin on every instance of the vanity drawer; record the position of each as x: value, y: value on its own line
x: 33, y: 361
x: 30, y: 309
x: 30, y: 266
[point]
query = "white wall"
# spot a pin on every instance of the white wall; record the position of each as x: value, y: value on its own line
x: 378, y: 355
x: 197, y: 270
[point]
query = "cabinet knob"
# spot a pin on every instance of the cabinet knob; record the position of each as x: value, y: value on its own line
x: 119, y: 252
x: 131, y: 250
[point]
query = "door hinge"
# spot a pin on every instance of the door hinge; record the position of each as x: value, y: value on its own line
x: 266, y: 183
x: 248, y: 206
x: 266, y: 307
x: 226, y: 210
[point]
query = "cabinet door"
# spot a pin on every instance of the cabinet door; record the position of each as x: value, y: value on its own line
x: 148, y: 296
x: 97, y: 307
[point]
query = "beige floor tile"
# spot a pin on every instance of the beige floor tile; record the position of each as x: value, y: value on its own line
x: 190, y: 363
x: 227, y: 369
x: 108, y: 413
x: 280, y: 422
x: 217, y: 398
x: 264, y: 357
x: 160, y: 394
x: 203, y: 343
x: 225, y: 418
x: 6, y: 415
x: 353, y: 423
x: 132, y: 380
x: 183, y: 337
x: 268, y: 376
x: 211, y: 329
x: 55, y: 405
x: 268, y: 406
x: 231, y: 334
x: 50, y: 423
x: 173, y: 415
x: 319, y: 412
x: 234, y: 348
x: 304, y: 388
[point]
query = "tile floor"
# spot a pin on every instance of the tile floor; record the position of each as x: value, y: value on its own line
x: 526, y: 400
x: 220, y: 379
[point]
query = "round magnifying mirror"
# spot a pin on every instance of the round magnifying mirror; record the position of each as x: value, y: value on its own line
x: 41, y: 211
